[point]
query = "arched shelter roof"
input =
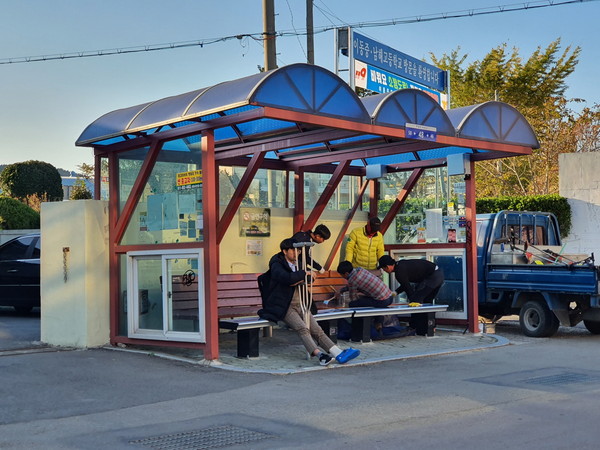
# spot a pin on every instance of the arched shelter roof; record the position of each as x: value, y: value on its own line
x: 305, y: 115
x: 298, y: 87
x: 408, y: 106
x: 493, y: 122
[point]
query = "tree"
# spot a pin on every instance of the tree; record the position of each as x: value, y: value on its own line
x: 536, y: 88
x: 80, y: 191
x: 86, y: 170
x: 31, y: 178
x: 587, y: 130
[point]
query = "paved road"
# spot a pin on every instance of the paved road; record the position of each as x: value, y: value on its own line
x: 534, y: 394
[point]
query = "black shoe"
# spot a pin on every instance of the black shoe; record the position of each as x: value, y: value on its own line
x: 325, y: 359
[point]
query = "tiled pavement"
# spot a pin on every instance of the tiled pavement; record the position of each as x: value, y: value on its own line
x: 283, y: 353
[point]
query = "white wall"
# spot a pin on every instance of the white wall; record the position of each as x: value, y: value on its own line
x: 579, y: 182
x: 74, y: 273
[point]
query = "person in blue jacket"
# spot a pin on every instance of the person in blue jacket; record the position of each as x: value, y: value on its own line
x: 282, y: 302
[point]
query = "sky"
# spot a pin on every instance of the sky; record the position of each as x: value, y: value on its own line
x: 45, y: 106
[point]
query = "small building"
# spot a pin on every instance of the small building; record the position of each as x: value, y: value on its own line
x: 69, y: 183
x: 204, y: 185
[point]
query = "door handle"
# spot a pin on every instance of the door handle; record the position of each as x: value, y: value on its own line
x: 12, y: 270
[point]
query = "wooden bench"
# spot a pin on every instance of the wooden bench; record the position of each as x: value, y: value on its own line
x: 238, y: 299
x: 241, y: 291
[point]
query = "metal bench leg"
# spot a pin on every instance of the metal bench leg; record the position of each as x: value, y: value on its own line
x: 330, y: 327
x: 361, y: 329
x: 423, y: 323
x: 247, y: 343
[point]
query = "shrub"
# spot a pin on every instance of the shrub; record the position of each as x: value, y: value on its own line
x: 15, y: 215
x: 553, y: 203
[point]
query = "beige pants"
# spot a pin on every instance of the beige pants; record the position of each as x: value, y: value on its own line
x: 295, y: 320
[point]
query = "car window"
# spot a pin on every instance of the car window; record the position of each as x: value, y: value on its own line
x: 16, y: 249
x: 36, y: 249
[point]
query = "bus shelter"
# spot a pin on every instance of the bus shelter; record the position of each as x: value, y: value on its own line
x: 204, y: 185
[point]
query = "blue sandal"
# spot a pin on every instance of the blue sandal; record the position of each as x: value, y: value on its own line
x: 347, y: 355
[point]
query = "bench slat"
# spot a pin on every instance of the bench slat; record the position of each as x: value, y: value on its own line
x: 247, y: 293
x: 239, y: 302
x: 236, y: 285
x: 240, y: 311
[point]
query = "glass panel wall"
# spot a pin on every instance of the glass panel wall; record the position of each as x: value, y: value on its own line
x: 434, y: 211
x: 170, y: 207
x: 267, y: 189
x: 344, y: 197
x: 130, y: 164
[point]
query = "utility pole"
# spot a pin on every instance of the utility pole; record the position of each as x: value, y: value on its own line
x: 310, y: 35
x: 269, y: 34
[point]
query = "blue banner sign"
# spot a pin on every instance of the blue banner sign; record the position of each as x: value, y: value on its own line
x: 384, y: 57
x: 378, y: 80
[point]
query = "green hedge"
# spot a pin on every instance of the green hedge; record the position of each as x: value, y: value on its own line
x: 15, y: 215
x: 554, y: 203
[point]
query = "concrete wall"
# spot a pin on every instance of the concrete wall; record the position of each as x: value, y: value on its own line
x: 74, y: 273
x: 579, y: 175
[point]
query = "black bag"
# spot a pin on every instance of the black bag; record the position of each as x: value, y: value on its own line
x: 264, y: 280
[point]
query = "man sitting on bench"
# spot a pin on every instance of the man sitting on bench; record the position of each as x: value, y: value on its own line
x: 283, y: 303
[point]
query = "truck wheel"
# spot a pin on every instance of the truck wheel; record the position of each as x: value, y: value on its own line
x: 593, y: 327
x: 537, y: 320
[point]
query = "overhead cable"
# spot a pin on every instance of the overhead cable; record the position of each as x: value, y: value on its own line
x: 260, y: 36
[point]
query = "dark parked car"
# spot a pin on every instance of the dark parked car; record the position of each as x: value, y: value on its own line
x: 20, y: 273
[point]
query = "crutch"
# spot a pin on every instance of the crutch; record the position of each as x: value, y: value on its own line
x: 305, y: 291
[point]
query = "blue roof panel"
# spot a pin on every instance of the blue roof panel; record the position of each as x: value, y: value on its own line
x: 494, y: 122
x: 408, y: 106
x: 165, y: 110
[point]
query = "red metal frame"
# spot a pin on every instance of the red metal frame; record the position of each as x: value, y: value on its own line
x: 329, y: 190
x: 471, y: 247
x: 235, y: 153
x: 401, y: 198
x: 344, y: 229
x: 137, y: 190
x: 113, y: 215
x: 210, y: 208
x: 240, y: 192
x: 298, y: 200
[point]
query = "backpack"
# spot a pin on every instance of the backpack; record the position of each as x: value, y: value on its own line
x: 264, y: 280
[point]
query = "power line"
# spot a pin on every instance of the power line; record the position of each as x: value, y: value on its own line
x: 260, y: 36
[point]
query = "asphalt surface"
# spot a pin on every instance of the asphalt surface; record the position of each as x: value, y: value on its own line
x: 524, y: 392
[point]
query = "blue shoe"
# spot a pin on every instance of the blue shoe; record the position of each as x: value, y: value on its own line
x: 347, y: 355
